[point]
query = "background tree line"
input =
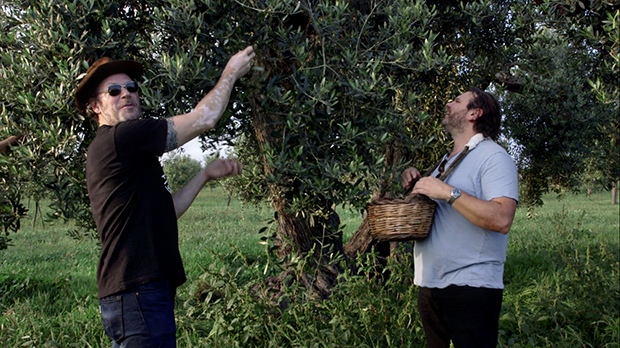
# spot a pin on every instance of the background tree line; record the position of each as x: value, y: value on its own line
x: 344, y: 94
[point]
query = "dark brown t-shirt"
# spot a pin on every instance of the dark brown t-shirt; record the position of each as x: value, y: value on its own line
x: 132, y: 207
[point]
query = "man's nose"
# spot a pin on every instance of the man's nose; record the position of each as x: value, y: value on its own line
x: 124, y: 92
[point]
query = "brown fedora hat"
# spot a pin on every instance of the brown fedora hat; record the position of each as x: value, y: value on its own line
x: 101, y: 69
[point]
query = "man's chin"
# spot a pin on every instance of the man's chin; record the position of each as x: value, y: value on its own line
x: 128, y: 116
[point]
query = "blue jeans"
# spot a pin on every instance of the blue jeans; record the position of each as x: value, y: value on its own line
x: 141, y: 317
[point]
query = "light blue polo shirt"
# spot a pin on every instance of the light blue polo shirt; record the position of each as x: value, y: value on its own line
x: 457, y: 252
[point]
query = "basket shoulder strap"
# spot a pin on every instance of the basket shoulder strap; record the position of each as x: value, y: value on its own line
x: 410, y: 188
x: 430, y: 171
x: 455, y: 163
x: 445, y: 174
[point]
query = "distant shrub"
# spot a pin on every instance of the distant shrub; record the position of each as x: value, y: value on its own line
x: 180, y: 169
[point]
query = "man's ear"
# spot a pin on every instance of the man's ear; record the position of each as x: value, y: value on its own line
x: 94, y: 105
x: 476, y: 113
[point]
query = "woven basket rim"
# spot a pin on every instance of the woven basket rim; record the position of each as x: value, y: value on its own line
x: 404, y: 200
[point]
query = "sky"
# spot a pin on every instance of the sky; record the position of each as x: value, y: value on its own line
x: 193, y: 149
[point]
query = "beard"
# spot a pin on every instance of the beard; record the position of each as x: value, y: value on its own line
x: 127, y: 115
x: 133, y: 113
x: 453, y: 123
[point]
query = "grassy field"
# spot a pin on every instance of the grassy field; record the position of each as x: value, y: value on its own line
x: 562, y: 285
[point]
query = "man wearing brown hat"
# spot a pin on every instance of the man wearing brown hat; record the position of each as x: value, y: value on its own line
x: 136, y: 215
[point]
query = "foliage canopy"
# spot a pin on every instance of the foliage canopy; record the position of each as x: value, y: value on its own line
x: 343, y: 96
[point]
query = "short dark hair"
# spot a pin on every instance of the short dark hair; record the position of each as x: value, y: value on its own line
x: 489, y: 123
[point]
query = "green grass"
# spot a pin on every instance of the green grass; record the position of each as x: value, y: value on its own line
x: 211, y: 225
x: 562, y: 290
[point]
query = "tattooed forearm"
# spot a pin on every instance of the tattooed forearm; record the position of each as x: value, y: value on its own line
x: 171, y: 136
x: 213, y: 108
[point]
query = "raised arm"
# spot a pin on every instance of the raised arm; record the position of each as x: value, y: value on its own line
x: 183, y: 128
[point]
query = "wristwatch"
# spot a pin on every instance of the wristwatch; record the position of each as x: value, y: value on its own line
x: 456, y: 193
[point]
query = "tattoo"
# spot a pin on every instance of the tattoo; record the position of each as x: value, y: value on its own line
x: 171, y: 136
x: 213, y: 110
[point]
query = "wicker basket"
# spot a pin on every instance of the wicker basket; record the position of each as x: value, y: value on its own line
x: 401, y: 219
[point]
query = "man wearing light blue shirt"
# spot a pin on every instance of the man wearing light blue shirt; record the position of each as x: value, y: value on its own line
x: 460, y: 266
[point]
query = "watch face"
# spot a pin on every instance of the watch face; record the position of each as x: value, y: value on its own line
x: 456, y: 193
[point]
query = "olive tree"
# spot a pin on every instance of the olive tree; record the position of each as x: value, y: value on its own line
x: 343, y: 95
x: 564, y: 121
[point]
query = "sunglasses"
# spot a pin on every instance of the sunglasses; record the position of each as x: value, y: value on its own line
x: 114, y: 90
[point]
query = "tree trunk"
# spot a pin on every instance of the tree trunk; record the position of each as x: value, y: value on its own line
x: 361, y: 242
x: 614, y: 193
x: 318, y: 240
